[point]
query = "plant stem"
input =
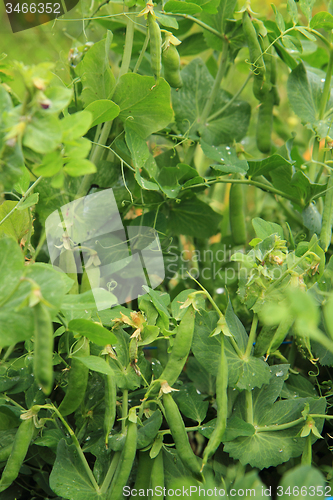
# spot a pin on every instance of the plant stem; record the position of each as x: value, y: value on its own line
x: 281, y: 427
x: 110, y: 472
x: 327, y: 86
x: 24, y: 197
x: 234, y: 97
x: 127, y: 55
x: 142, y: 53
x: 96, y: 156
x: 322, y: 107
x: 76, y: 444
x: 252, y: 337
x: 202, y: 24
x: 249, y: 407
x: 264, y: 187
x: 326, y: 227
x: 124, y: 409
x: 217, y: 83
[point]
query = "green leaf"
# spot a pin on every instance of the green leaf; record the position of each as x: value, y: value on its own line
x: 78, y: 306
x: 242, y: 373
x: 29, y: 202
x: 102, y: 111
x: 322, y: 20
x: 141, y: 156
x: 298, y: 386
x: 191, y: 404
x: 145, y: 183
x: 279, y: 19
x: 236, y: 427
x: 264, y: 229
x: 78, y: 149
x: 227, y: 158
x: 60, y: 98
x: 53, y: 283
x: 218, y: 21
x: 303, y: 479
x: 149, y: 429
x: 292, y: 11
x: 79, y: 166
x: 306, y: 7
x: 189, y: 102
x: 192, y: 45
x: 193, y: 217
x: 270, y: 448
x: 75, y: 125
x: 204, y: 382
x: 145, y: 105
x: 42, y: 134
x: 68, y: 470
x: 96, y: 76
x: 50, y: 438
x: 168, y: 21
x: 95, y: 363
x: 51, y: 164
x: 178, y: 7
x: 265, y: 166
x: 304, y: 91
x: 93, y: 331
x: 17, y: 224
x: 11, y: 266
x: 22, y: 184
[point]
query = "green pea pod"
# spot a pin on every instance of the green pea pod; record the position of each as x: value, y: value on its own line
x: 180, y: 438
x: 265, y: 123
x: 43, y: 347
x: 110, y: 399
x: 273, y: 82
x: 280, y: 334
x: 20, y: 448
x: 68, y: 265
x: 155, y: 45
x: 222, y: 406
x: 145, y: 464
x: 181, y: 348
x: 77, y: 380
x: 157, y: 476
x: 115, y: 491
x: 237, y: 215
x: 256, y: 57
x: 326, y: 226
x: 171, y: 63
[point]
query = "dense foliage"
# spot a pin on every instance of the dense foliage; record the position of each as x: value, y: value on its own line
x: 212, y: 125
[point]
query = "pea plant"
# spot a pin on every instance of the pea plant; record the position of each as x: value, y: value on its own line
x: 209, y: 124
